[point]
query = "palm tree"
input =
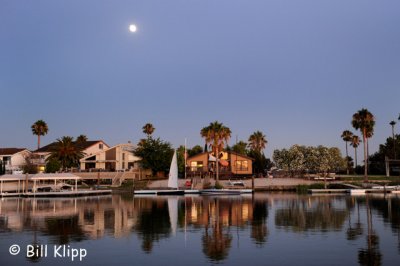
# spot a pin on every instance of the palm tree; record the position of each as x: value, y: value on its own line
x: 217, y: 135
x: 148, y: 129
x: 66, y: 152
x: 39, y: 128
x: 346, y: 136
x: 365, y: 122
x: 258, y: 141
x: 355, y: 142
x: 81, y: 138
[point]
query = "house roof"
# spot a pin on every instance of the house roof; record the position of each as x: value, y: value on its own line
x: 10, y: 151
x: 80, y: 145
x: 229, y: 152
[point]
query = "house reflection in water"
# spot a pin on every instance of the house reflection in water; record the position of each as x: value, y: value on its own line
x: 214, y: 219
x: 69, y: 219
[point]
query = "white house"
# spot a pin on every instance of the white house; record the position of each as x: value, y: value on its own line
x: 14, y: 158
x: 117, y: 158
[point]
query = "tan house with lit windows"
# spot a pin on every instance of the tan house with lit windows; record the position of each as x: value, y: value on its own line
x: 230, y: 164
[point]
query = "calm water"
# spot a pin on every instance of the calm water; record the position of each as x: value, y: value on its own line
x: 264, y: 229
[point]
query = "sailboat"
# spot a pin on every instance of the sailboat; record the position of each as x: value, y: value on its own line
x: 172, y: 179
x: 172, y: 182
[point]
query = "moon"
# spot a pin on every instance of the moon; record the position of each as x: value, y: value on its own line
x: 132, y: 28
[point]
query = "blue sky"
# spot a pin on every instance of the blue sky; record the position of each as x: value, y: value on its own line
x: 295, y: 69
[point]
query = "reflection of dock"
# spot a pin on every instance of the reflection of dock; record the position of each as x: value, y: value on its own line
x: 58, y: 194
x: 354, y: 191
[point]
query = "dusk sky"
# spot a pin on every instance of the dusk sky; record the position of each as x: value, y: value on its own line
x: 295, y: 69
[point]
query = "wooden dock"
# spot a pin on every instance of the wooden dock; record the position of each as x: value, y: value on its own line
x: 352, y: 191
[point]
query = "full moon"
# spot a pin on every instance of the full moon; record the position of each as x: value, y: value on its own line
x: 132, y: 28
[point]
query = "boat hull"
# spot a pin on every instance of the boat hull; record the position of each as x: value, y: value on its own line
x: 170, y: 192
x: 219, y: 192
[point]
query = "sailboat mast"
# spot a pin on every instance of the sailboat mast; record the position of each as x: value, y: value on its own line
x: 185, y: 158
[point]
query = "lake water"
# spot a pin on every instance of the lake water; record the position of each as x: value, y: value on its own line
x: 259, y: 229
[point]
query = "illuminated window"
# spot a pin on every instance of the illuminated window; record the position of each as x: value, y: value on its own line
x: 195, y: 166
x: 242, y: 165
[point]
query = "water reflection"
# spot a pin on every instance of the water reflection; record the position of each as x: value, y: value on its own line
x: 218, y: 222
x: 370, y: 255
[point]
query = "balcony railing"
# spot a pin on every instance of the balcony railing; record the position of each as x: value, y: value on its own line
x: 38, y: 161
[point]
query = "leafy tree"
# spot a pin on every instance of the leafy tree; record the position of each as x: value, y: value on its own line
x: 180, y: 152
x: 217, y: 135
x: 365, y: 122
x: 336, y: 161
x: 66, y: 152
x: 393, y: 123
x: 347, y: 135
x: 240, y: 148
x: 28, y: 167
x: 39, y: 128
x: 377, y: 160
x: 257, y: 141
x: 53, y: 166
x: 260, y: 163
x: 195, y: 150
x: 1, y: 168
x: 299, y: 159
x: 148, y: 129
x: 155, y: 153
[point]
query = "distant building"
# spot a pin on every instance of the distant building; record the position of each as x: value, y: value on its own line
x: 14, y: 158
x: 230, y: 164
x: 88, y: 148
x: 117, y: 158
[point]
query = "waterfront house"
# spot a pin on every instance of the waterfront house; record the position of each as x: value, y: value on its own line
x: 117, y: 158
x: 13, y: 158
x: 87, y: 147
x: 230, y: 164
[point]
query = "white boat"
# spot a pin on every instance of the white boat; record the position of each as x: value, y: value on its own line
x: 220, y: 192
x: 357, y: 191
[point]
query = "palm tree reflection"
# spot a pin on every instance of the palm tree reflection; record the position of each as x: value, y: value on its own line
x: 356, y: 230
x: 216, y: 244
x: 259, y: 230
x: 370, y: 255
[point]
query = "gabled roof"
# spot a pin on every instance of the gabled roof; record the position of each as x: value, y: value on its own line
x: 80, y: 145
x: 229, y: 152
x: 10, y: 151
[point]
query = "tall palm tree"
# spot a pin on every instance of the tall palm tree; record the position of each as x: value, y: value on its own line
x: 39, y: 128
x: 66, y: 152
x: 258, y: 141
x: 148, y: 129
x: 365, y: 122
x: 346, y: 136
x: 355, y: 142
x: 217, y: 135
